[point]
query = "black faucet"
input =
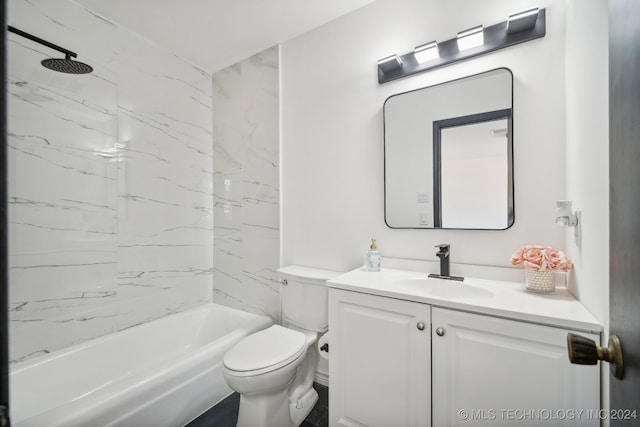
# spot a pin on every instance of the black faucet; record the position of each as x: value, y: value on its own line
x: 443, y: 253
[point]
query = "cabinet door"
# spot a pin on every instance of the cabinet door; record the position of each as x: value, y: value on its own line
x: 490, y: 371
x: 379, y: 362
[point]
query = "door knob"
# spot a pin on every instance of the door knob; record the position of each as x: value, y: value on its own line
x: 440, y: 332
x: 420, y: 326
x: 584, y: 351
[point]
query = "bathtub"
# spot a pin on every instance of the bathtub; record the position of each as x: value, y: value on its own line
x: 162, y: 373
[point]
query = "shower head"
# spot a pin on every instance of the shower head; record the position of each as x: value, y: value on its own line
x: 66, y: 65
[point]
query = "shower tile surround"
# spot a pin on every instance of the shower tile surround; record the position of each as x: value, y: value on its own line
x: 246, y: 184
x: 110, y: 181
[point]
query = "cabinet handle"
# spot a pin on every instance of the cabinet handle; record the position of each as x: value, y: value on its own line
x: 420, y: 326
x: 440, y: 331
x: 584, y: 351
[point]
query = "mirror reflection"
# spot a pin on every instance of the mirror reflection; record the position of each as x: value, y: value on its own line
x: 448, y: 155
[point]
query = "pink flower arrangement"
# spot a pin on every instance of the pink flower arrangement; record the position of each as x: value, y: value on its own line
x: 541, y: 258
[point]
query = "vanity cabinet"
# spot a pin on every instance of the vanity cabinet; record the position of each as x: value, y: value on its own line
x: 395, y: 362
x: 491, y: 371
x: 380, y: 361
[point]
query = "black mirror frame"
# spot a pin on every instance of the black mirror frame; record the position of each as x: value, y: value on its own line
x: 511, y: 183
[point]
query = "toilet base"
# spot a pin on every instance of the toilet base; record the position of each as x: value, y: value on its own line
x: 303, y: 406
x: 275, y: 410
x: 264, y: 410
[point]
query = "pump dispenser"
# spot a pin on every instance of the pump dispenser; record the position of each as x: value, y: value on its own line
x: 373, y: 258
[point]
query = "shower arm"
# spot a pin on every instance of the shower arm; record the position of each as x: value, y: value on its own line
x: 67, y: 52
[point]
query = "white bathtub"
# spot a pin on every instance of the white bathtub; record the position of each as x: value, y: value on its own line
x: 162, y: 373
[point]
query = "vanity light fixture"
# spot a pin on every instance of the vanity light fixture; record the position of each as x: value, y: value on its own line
x: 389, y: 63
x: 522, y: 21
x: 520, y: 27
x: 468, y: 39
x: 565, y: 217
x: 426, y: 52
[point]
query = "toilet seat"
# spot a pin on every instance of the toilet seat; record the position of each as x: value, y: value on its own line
x: 265, y: 351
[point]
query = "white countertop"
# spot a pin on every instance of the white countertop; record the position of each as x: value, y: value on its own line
x: 506, y: 299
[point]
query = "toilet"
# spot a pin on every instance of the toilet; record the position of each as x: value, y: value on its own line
x: 273, y: 369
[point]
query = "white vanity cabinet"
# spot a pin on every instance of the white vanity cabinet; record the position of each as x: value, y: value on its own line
x: 380, y: 361
x: 395, y: 362
x: 490, y: 371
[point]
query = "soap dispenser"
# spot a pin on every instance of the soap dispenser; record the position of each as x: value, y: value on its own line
x: 372, y: 257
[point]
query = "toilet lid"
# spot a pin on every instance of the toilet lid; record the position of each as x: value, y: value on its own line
x: 272, y: 347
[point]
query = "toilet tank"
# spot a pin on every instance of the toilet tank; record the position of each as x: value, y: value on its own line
x: 304, y: 297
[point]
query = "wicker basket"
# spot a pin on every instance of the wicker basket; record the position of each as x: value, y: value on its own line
x: 540, y: 281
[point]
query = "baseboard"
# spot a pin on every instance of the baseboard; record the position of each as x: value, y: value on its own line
x: 322, y: 378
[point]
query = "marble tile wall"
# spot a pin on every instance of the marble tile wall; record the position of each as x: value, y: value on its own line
x: 246, y: 184
x: 110, y: 181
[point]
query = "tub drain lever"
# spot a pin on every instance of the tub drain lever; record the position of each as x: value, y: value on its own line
x: 325, y: 347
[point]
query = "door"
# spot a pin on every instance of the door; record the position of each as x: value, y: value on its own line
x: 624, y: 201
x: 488, y: 371
x: 4, y: 300
x: 380, y: 361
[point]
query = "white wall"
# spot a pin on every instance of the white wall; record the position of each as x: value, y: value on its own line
x: 588, y: 150
x: 332, y: 146
x: 332, y: 170
x: 587, y: 172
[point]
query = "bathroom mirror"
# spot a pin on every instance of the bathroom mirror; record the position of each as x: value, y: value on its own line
x: 448, y: 154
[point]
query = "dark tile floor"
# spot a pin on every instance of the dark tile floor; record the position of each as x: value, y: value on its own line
x: 225, y: 413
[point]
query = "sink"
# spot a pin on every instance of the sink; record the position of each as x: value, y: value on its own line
x: 441, y: 288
